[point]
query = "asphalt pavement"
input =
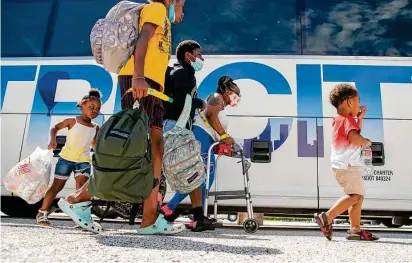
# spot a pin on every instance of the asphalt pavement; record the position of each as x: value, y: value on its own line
x: 23, y: 241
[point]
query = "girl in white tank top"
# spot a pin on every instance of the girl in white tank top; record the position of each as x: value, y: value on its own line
x: 78, y: 141
x: 75, y: 155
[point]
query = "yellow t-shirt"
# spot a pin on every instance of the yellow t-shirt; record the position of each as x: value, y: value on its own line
x: 159, y: 46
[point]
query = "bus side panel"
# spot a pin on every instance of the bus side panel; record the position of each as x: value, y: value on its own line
x: 16, y: 106
x: 19, y: 140
x: 288, y: 181
x: 12, y: 133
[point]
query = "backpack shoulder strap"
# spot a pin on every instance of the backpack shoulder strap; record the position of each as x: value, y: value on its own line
x: 184, y: 116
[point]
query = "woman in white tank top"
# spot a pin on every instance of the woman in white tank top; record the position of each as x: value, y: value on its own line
x: 211, y: 126
x: 75, y: 155
x: 213, y: 119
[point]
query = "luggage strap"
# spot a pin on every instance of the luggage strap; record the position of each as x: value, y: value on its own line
x: 109, y: 170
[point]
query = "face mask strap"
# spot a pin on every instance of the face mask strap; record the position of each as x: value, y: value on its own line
x: 192, y: 56
x: 172, y: 15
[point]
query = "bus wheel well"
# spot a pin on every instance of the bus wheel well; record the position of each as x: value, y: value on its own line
x: 388, y: 223
x: 14, y: 206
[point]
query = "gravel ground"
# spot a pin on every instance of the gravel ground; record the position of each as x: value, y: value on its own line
x: 23, y: 241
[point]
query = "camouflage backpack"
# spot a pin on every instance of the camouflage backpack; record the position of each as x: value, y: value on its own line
x: 182, y: 162
x: 114, y: 37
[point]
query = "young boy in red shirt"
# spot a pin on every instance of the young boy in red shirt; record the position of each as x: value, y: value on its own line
x: 346, y: 161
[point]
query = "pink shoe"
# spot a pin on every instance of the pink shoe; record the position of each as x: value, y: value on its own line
x: 191, y: 225
x: 166, y: 210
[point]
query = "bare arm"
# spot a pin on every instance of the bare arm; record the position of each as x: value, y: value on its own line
x: 146, y: 33
x: 214, y: 106
x: 361, y: 115
x: 67, y: 123
x: 139, y: 85
x: 94, y: 139
x: 357, y: 139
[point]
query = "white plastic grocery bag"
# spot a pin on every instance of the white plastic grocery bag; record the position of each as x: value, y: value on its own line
x: 29, y: 179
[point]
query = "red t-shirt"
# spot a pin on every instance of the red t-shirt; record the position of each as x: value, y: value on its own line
x: 344, y: 153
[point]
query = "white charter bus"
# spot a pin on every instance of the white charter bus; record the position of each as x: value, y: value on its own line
x: 285, y: 55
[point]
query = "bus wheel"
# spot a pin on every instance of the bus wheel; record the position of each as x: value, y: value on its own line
x: 14, y: 206
x: 388, y: 223
x: 402, y: 220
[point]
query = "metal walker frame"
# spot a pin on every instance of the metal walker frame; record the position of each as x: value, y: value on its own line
x: 251, y: 224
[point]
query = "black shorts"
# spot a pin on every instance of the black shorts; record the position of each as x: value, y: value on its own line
x: 152, y: 105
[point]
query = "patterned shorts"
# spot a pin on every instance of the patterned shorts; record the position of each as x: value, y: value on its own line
x: 153, y: 106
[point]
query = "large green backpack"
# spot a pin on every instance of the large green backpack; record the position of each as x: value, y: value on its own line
x: 122, y: 168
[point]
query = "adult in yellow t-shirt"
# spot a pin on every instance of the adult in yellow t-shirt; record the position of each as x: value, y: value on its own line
x: 158, y: 47
x: 145, y: 69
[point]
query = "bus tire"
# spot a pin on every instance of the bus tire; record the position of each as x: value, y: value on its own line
x: 402, y: 220
x: 388, y: 223
x: 14, y: 206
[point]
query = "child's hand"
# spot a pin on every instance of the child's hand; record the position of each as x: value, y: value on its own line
x: 368, y: 142
x: 363, y: 110
x: 52, y: 145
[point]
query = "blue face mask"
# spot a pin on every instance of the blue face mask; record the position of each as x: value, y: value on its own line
x: 172, y: 15
x: 197, y: 65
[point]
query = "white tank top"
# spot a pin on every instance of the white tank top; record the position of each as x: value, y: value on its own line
x: 201, y: 121
x: 78, y: 142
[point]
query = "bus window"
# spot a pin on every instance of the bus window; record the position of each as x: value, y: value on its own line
x: 241, y: 26
x: 74, y: 21
x: 357, y: 28
x: 24, y: 27
x: 395, y: 25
